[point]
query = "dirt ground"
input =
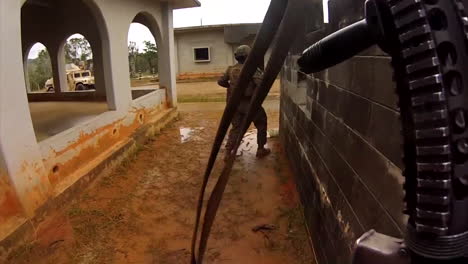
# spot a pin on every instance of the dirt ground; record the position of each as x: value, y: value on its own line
x: 144, y: 211
x: 199, y: 91
x: 211, y: 92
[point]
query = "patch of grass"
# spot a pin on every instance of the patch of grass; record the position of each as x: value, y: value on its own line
x: 158, y: 251
x: 296, y: 232
x: 200, y: 99
x: 122, y: 169
x: 143, y: 82
x: 200, y: 79
x: 22, y: 252
x: 87, y: 230
x: 235, y: 234
x: 92, y: 223
x: 91, y: 253
x: 75, y: 211
x: 86, y: 196
x: 106, y: 181
x: 278, y: 167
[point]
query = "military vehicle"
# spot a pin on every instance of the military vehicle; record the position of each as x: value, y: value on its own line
x: 77, y: 80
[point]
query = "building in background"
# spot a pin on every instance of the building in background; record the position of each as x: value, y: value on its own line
x: 206, y: 51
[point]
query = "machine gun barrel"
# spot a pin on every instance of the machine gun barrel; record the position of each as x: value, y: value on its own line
x: 337, y: 47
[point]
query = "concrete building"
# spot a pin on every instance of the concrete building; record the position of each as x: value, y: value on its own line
x: 206, y: 51
x: 36, y: 175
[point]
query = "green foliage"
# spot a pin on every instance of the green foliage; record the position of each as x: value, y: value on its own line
x: 39, y: 71
x: 142, y: 62
x: 77, y: 50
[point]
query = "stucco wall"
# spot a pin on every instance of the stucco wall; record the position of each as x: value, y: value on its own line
x: 31, y: 173
x: 341, y: 130
x: 35, y: 18
x: 221, y: 52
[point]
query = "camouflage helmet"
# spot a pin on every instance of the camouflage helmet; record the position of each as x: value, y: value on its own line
x: 242, y: 51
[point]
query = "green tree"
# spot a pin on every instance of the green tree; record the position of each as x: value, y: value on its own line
x: 151, y: 56
x: 77, y: 50
x: 39, y: 70
x: 142, y: 62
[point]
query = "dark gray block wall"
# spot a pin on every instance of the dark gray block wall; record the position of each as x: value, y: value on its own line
x: 341, y: 132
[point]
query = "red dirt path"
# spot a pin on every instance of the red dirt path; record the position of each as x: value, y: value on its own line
x: 144, y: 211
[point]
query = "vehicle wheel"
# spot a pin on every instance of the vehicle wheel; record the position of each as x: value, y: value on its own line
x: 80, y: 87
x: 50, y: 89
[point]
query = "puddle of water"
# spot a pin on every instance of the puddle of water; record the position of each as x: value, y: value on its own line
x: 189, y: 133
x: 249, y: 142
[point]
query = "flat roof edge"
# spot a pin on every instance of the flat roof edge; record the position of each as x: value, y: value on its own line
x: 208, y: 27
x: 194, y: 3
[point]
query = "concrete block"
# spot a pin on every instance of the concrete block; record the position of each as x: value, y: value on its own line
x: 385, y: 133
x: 378, y: 124
x: 369, y: 77
x: 381, y: 176
x: 340, y: 158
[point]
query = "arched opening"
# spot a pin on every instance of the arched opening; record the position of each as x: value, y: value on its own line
x: 77, y: 82
x: 144, y: 37
x: 38, y: 69
x: 143, y: 59
x: 79, y: 64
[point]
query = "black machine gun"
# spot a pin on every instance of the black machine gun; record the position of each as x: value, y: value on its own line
x: 428, y: 43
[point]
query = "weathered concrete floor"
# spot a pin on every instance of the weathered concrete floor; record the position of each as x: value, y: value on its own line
x: 51, y: 118
x: 144, y: 212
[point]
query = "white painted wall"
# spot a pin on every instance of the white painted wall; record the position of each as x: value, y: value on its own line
x: 20, y: 158
x: 23, y: 168
x: 221, y: 53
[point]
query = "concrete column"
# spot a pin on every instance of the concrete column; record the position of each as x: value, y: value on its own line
x: 115, y: 64
x: 20, y: 156
x: 167, y: 70
x: 26, y: 73
x: 59, y: 73
x: 100, y: 83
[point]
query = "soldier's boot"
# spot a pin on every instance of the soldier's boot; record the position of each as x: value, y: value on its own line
x: 260, y: 123
x: 263, y: 152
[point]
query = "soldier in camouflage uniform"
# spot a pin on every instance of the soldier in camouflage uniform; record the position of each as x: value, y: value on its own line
x: 229, y: 81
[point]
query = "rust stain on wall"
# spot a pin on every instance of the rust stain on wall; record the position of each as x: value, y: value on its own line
x: 39, y: 189
x: 84, y: 137
x: 89, y: 146
x: 32, y: 170
x: 9, y: 203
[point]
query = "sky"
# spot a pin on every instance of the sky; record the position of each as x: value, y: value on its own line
x: 211, y: 12
x: 214, y: 12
